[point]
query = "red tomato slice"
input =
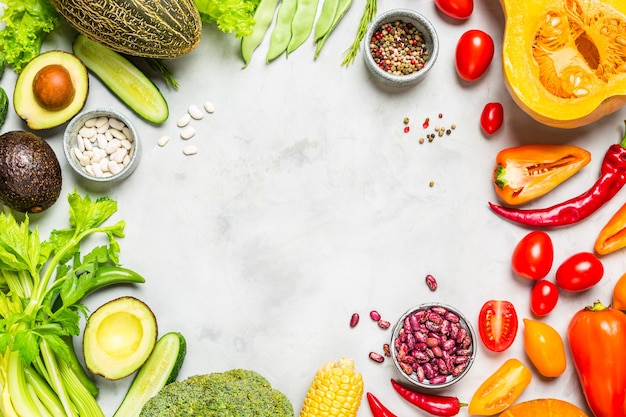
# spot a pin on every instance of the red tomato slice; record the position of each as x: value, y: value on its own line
x: 533, y: 255
x: 579, y: 272
x: 543, y: 297
x: 457, y: 9
x: 474, y: 52
x: 497, y: 325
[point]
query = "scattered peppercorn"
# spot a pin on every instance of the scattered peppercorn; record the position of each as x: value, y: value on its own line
x: 406, y: 120
x: 431, y: 184
x: 407, y: 129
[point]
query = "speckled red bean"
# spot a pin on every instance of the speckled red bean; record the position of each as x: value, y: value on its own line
x: 387, y: 350
x: 383, y: 324
x: 375, y: 315
x: 354, y: 319
x: 439, y: 379
x: 377, y: 357
x: 431, y: 282
x: 406, y: 368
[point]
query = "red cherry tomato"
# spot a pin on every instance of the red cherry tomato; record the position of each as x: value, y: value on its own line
x: 543, y: 297
x: 579, y: 272
x: 457, y: 9
x: 474, y: 53
x: 491, y: 118
x: 533, y: 255
x: 497, y: 325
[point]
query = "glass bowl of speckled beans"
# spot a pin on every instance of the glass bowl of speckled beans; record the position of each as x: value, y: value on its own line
x: 400, y: 47
x: 101, y: 146
x: 433, y: 346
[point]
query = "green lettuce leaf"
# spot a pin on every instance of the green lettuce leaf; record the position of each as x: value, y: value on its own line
x: 231, y: 16
x: 27, y: 22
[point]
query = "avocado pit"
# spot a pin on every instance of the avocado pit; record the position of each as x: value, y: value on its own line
x: 53, y: 87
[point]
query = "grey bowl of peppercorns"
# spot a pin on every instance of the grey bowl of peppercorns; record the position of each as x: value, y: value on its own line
x: 401, y: 47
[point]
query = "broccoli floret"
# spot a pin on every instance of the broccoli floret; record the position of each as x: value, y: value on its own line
x: 235, y: 393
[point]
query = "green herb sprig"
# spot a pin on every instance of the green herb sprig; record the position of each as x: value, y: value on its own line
x: 366, y: 18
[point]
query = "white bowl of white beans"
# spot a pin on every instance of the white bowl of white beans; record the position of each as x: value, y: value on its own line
x: 401, y: 47
x: 102, y: 146
x: 433, y: 346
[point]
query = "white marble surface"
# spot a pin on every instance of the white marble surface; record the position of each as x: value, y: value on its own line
x: 307, y: 202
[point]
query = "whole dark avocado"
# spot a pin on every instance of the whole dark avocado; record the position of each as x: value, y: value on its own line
x: 30, y: 173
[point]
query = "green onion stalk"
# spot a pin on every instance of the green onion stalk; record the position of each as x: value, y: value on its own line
x: 42, y: 284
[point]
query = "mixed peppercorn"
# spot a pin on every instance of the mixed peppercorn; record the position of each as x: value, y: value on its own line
x: 398, y: 48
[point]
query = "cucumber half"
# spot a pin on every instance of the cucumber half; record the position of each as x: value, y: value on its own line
x: 123, y: 78
x: 160, y: 369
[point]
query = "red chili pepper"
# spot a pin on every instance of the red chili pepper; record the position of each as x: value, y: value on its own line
x: 612, y: 179
x: 378, y: 409
x: 437, y: 405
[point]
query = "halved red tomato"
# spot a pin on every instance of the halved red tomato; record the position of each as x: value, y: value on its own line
x: 497, y: 325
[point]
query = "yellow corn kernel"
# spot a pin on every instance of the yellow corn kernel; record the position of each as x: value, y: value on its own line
x: 336, y: 391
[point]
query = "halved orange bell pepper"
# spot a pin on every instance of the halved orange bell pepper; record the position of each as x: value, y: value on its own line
x: 613, y: 235
x: 525, y: 172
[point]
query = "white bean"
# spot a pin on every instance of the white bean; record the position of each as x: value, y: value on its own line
x: 117, y: 134
x: 190, y: 150
x: 209, y: 107
x: 195, y: 112
x: 114, y: 167
x: 119, y: 155
x: 183, y: 120
x: 188, y: 132
x: 91, y: 122
x: 101, y: 121
x: 116, y: 124
x: 112, y: 146
x: 97, y: 171
x: 104, y: 164
x: 80, y: 143
x: 87, y: 132
x: 162, y: 141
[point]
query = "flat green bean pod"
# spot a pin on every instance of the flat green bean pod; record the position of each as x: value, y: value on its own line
x: 342, y: 8
x: 263, y: 17
x: 302, y: 23
x: 325, y: 19
x: 281, y: 34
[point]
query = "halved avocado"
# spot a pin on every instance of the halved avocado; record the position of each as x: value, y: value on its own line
x: 119, y: 337
x: 51, y: 89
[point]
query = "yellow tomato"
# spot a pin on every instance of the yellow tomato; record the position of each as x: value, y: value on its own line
x: 501, y: 389
x: 619, y: 294
x: 545, y: 348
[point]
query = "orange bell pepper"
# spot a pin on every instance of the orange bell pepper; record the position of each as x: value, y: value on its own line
x: 597, y: 341
x: 525, y: 172
x: 613, y: 235
x: 500, y: 390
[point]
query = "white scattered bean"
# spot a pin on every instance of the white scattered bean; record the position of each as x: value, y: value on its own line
x: 195, y: 112
x: 162, y: 141
x: 190, y: 150
x: 188, y: 132
x: 209, y: 107
x: 183, y: 120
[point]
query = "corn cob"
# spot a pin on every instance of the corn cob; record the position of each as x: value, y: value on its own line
x: 336, y: 391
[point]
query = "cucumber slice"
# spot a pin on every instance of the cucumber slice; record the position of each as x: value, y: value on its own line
x: 160, y: 369
x: 123, y: 78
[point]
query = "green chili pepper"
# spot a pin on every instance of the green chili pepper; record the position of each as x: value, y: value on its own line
x: 302, y: 23
x: 263, y: 17
x: 282, y: 32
